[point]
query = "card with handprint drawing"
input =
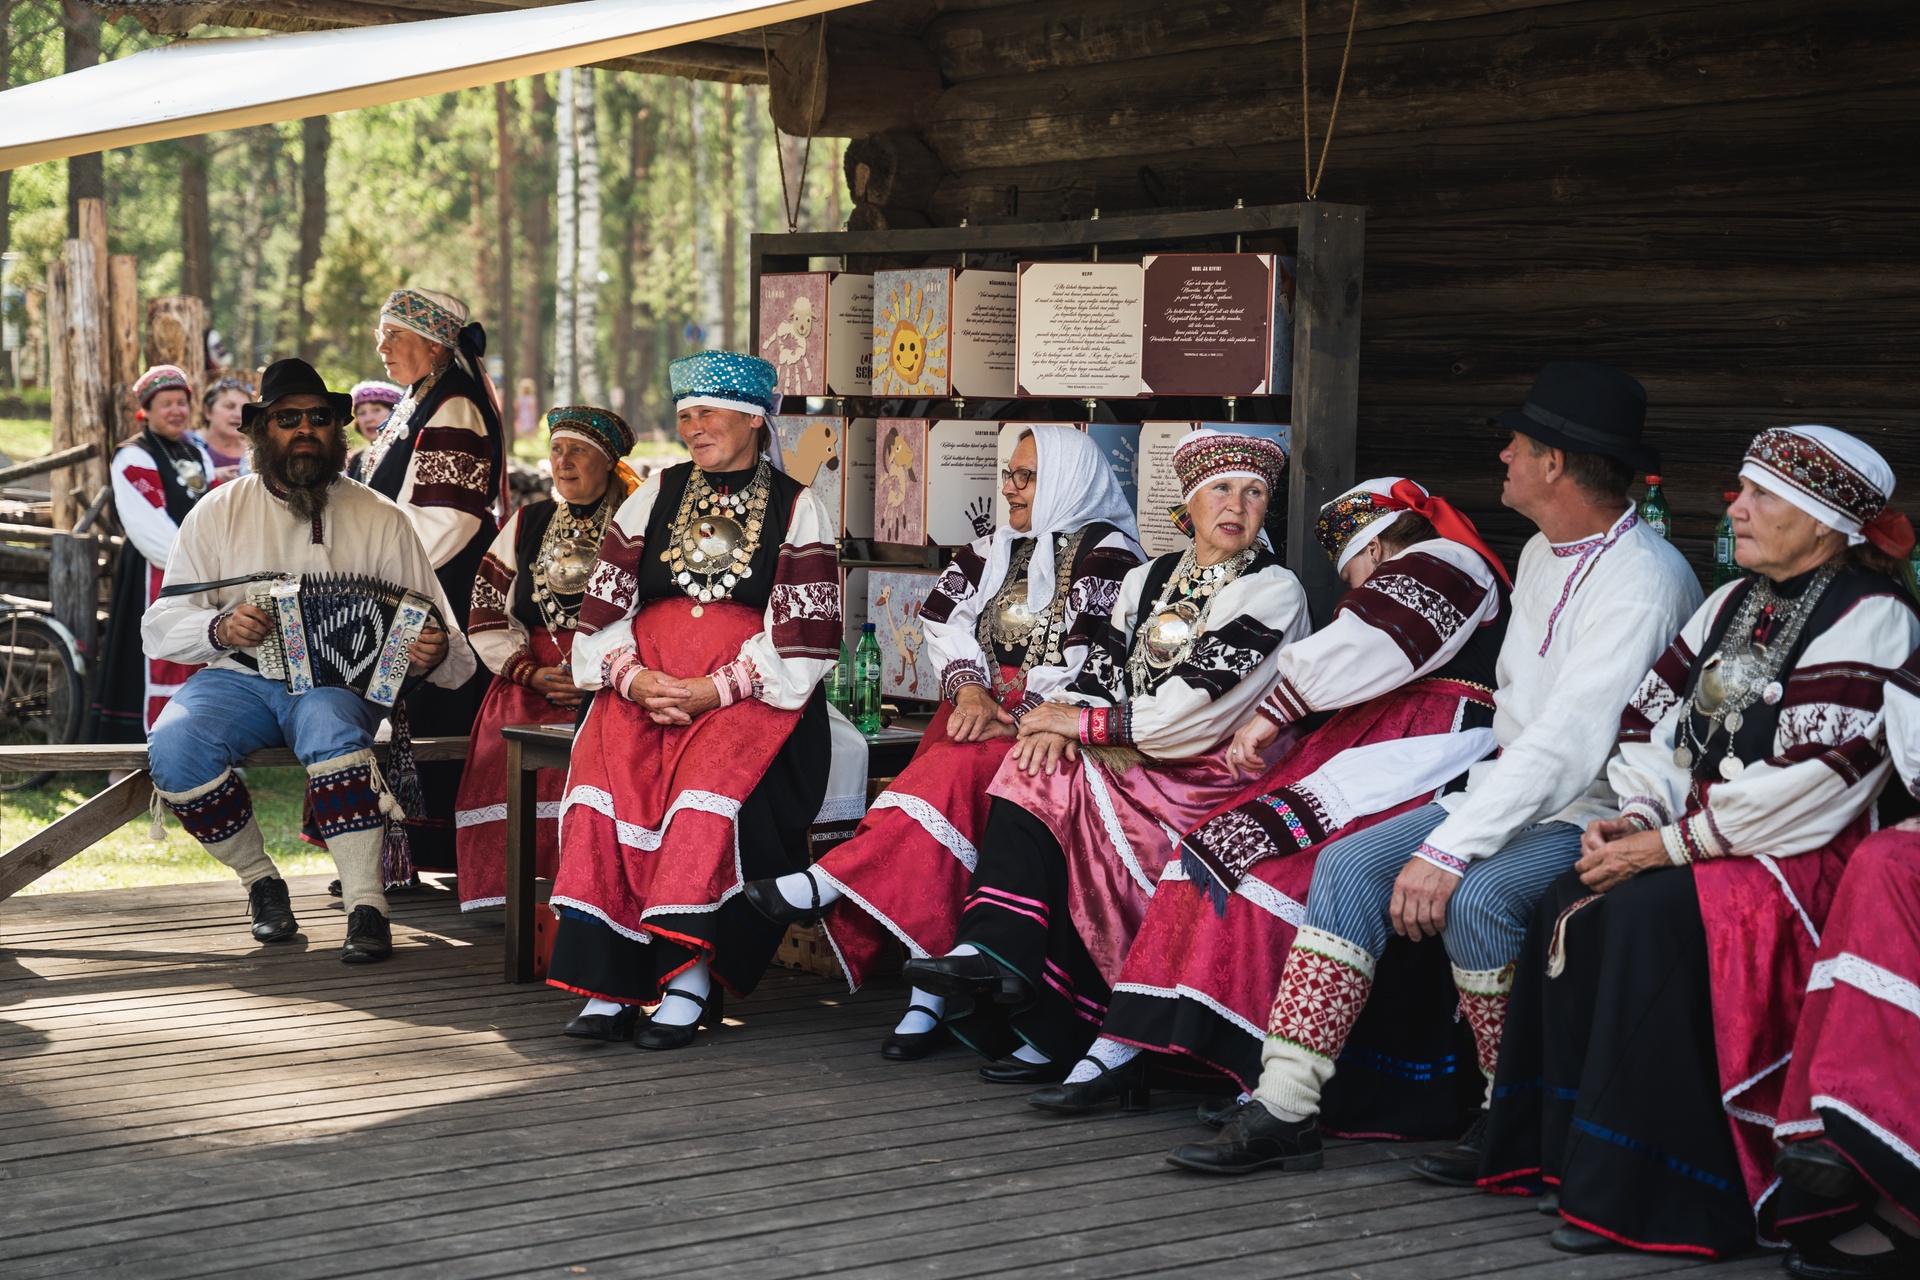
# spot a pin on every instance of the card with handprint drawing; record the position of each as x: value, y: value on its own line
x: 894, y: 597
x: 963, y: 474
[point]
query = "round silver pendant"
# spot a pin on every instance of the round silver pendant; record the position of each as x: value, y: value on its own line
x: 1170, y: 633
x: 569, y: 567
x: 191, y: 476
x: 711, y: 542
x: 1682, y: 758
x: 1732, y: 767
x: 1015, y: 618
x: 1734, y: 721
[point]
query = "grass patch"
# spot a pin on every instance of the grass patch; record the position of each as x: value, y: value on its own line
x: 128, y: 859
x: 23, y: 439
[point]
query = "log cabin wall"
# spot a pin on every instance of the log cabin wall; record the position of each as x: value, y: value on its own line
x: 1717, y: 195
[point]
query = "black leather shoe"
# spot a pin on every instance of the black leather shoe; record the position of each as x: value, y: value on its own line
x: 1127, y: 1083
x: 413, y: 883
x: 369, y: 937
x: 975, y: 977
x: 272, y: 911
x: 767, y: 899
x: 1816, y: 1168
x: 1549, y: 1205
x: 1014, y: 1071
x: 612, y: 1027
x: 1459, y: 1164
x: 1572, y: 1239
x: 1215, y: 1112
x: 1254, y: 1138
x: 911, y: 1046
x: 655, y: 1036
x: 1824, y: 1262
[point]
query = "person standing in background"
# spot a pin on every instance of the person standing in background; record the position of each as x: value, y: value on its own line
x: 220, y: 404
x: 526, y: 409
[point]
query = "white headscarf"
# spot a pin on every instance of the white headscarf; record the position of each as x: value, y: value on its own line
x: 1073, y: 488
x: 1838, y: 479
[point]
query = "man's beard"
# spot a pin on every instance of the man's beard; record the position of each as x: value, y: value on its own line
x: 303, y: 477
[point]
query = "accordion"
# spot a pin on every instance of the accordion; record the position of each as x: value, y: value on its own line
x: 336, y: 630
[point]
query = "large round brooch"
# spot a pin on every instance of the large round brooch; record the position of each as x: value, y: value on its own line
x: 710, y: 543
x: 568, y: 566
x: 1015, y: 619
x: 191, y: 475
x: 1171, y: 632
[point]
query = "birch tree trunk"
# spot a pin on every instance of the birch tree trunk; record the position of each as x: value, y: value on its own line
x: 586, y: 324
x: 705, y: 267
x: 729, y: 196
x: 316, y: 137
x: 537, y: 223
x: 566, y: 255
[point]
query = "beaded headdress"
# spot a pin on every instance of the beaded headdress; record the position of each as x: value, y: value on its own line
x: 162, y: 377
x: 1832, y: 476
x: 601, y: 427
x: 435, y: 316
x: 375, y: 392
x: 725, y: 380
x: 1207, y: 454
x: 1356, y: 518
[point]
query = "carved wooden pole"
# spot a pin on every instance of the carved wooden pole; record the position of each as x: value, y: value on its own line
x: 123, y: 335
x: 88, y: 356
x: 60, y: 385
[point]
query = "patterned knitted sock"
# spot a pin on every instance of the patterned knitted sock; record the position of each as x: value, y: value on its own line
x: 219, y: 814
x: 1484, y: 994
x: 1323, y: 986
x: 351, y: 807
x: 1104, y: 1053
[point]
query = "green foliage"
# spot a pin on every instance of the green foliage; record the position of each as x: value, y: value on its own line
x: 352, y: 278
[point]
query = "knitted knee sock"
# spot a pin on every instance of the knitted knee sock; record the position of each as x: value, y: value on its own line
x: 1323, y: 986
x: 351, y: 806
x: 219, y: 814
x: 1483, y: 999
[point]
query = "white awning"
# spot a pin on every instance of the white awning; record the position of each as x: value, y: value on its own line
x: 197, y: 86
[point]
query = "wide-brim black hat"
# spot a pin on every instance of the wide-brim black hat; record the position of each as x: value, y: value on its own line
x: 1584, y: 407
x: 285, y: 378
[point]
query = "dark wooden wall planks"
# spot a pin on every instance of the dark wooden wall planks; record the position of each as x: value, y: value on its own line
x: 1717, y: 195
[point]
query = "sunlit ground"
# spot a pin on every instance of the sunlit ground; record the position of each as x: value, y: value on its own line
x: 25, y: 438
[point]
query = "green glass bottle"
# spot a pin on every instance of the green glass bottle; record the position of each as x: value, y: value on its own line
x: 1725, y: 567
x: 1913, y: 571
x: 866, y: 683
x: 840, y: 682
x: 1654, y: 510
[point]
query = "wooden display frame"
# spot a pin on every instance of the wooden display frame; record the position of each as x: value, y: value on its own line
x: 1329, y: 242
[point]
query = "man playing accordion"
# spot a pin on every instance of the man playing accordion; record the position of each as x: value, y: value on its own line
x: 296, y: 515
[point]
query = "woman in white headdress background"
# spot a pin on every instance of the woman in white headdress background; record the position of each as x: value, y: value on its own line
x: 1008, y: 625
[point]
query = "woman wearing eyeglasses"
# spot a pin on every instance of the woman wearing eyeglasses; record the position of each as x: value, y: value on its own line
x: 1007, y: 626
x: 157, y: 477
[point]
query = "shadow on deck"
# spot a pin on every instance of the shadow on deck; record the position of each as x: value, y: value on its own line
x: 182, y: 1103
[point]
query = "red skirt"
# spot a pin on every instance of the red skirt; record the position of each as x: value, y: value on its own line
x: 1856, y: 1053
x: 904, y: 873
x: 647, y: 830
x: 480, y: 816
x: 1200, y: 984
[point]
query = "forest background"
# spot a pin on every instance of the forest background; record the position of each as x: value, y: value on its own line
x: 295, y: 232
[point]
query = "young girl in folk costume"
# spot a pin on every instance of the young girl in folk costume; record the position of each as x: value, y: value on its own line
x: 441, y: 456
x: 1406, y: 668
x: 1106, y: 769
x: 1007, y: 626
x: 709, y: 620
x: 158, y: 476
x: 526, y: 604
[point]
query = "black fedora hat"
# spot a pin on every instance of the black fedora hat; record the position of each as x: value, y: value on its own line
x: 1584, y: 407
x: 285, y: 378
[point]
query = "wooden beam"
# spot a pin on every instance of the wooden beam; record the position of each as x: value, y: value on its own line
x: 73, y: 583
x: 1326, y: 387
x: 53, y: 461
x: 859, y: 82
x: 98, y: 818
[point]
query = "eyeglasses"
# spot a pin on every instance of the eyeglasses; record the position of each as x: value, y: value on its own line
x: 1021, y: 478
x: 290, y: 419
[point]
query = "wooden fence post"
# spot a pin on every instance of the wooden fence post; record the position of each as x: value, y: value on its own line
x: 1326, y: 380
x: 177, y: 335
x: 60, y: 387
x: 123, y: 323
x: 73, y: 580
x: 88, y: 352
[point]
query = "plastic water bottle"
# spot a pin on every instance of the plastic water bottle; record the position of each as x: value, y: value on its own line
x: 866, y: 683
x: 840, y: 682
x: 1654, y: 510
x: 1725, y: 568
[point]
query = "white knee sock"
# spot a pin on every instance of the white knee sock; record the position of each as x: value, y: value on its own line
x: 602, y: 1007
x: 798, y: 890
x: 916, y: 1022
x: 965, y: 949
x: 678, y: 1010
x: 1108, y: 1053
x: 1028, y: 1054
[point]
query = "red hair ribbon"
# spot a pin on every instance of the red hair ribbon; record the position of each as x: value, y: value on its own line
x: 1450, y: 523
x: 1890, y: 532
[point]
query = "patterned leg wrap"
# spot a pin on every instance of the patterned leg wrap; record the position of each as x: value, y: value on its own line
x: 1483, y: 1000
x: 352, y: 806
x: 1323, y: 986
x: 219, y: 814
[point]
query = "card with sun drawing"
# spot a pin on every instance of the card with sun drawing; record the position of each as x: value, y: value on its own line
x: 912, y: 323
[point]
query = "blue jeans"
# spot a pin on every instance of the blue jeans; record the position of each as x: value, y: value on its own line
x: 220, y: 717
x: 1487, y: 915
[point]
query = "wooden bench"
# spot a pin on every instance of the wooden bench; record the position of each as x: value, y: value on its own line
x: 126, y: 799
x: 533, y: 747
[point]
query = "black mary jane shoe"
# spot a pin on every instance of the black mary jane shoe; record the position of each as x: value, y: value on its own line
x: 1127, y: 1084
x: 272, y: 910
x: 1824, y: 1262
x: 911, y: 1046
x: 767, y: 899
x: 974, y: 977
x: 655, y: 1036
x: 1816, y: 1168
x: 1459, y: 1164
x: 610, y: 1027
x: 1568, y: 1238
x: 1254, y: 1138
x: 1215, y: 1112
x: 369, y: 937
x: 1014, y: 1071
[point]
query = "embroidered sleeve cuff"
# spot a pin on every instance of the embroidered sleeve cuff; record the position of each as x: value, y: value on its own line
x: 213, y: 632
x: 1285, y: 705
x: 736, y: 682
x: 1019, y: 709
x: 618, y: 670
x: 959, y: 674
x: 1645, y: 813
x: 1106, y: 726
x: 1692, y: 839
x: 1441, y: 859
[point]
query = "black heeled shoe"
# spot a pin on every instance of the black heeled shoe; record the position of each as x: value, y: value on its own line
x: 1816, y: 1168
x: 973, y: 977
x: 1126, y: 1083
x: 610, y: 1027
x: 911, y: 1046
x: 679, y: 1036
x: 767, y: 899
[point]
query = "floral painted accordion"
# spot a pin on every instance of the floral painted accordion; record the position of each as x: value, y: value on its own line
x: 338, y: 630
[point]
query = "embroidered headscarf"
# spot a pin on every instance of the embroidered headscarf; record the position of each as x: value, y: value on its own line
x: 604, y: 429
x: 1836, y: 478
x: 162, y: 377
x: 729, y: 380
x: 1207, y: 453
x: 375, y: 392
x: 1364, y: 512
x: 435, y: 316
x: 1073, y: 487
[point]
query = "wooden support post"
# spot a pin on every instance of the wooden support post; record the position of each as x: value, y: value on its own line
x: 1326, y: 395
x: 522, y: 840
x: 60, y: 385
x: 123, y: 343
x: 73, y: 580
x: 98, y: 818
x: 88, y: 353
x: 177, y: 335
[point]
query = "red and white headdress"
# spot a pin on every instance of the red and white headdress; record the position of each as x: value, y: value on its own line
x: 1838, y: 479
x: 162, y: 377
x: 1364, y: 512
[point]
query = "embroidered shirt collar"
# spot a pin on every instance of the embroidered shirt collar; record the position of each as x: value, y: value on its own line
x: 1628, y: 518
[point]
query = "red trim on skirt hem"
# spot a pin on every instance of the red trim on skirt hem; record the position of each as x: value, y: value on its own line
x: 1695, y: 1249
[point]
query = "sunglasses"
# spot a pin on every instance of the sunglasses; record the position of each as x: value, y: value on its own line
x: 290, y: 419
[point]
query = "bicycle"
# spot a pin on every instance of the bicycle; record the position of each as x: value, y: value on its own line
x: 42, y: 684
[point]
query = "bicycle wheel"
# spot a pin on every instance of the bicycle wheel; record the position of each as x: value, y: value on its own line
x: 40, y: 692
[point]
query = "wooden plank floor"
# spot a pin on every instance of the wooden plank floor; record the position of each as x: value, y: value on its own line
x: 181, y: 1103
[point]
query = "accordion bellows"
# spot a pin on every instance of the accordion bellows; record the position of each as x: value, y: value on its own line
x: 339, y: 630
